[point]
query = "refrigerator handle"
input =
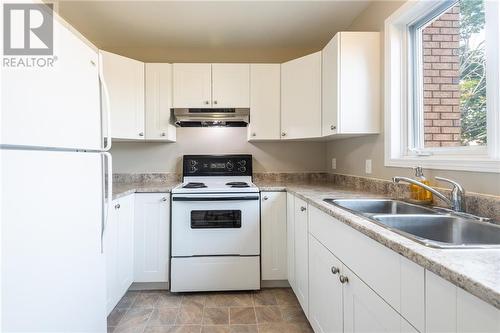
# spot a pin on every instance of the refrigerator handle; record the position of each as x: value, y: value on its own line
x: 107, y: 195
x: 105, y: 90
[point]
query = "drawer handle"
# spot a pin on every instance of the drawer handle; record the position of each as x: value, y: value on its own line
x: 333, y: 127
x: 164, y: 199
x: 283, y: 133
x: 206, y: 102
x: 141, y: 134
x: 302, y: 209
x: 335, y: 270
x: 343, y: 279
x: 117, y: 206
x: 163, y: 134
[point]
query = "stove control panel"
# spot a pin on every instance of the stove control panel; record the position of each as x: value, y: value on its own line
x: 217, y: 165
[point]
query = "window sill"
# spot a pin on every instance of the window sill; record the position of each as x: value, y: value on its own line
x: 446, y: 163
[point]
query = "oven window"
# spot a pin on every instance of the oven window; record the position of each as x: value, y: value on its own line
x: 212, y: 219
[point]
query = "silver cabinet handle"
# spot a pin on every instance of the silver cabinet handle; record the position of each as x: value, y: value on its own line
x: 141, y: 134
x: 333, y: 127
x: 164, y: 199
x: 117, y: 206
x: 215, y: 102
x: 206, y: 102
x: 163, y: 134
x: 283, y: 133
x: 302, y: 209
x: 343, y: 279
x: 265, y: 198
x: 254, y: 134
x: 335, y: 270
x: 92, y: 62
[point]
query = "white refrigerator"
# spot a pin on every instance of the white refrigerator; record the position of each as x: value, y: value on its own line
x: 53, y: 192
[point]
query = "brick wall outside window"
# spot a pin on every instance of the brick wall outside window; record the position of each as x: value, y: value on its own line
x: 441, y: 75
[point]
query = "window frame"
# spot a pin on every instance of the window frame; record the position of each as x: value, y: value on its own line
x: 400, y: 81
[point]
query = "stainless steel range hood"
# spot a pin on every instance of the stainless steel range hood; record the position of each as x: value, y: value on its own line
x: 212, y: 117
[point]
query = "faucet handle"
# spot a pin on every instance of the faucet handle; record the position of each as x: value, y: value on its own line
x: 456, y: 186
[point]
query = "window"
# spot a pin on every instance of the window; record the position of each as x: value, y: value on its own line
x: 442, y: 93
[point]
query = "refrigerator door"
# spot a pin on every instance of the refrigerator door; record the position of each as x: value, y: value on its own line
x: 53, y: 270
x: 54, y: 106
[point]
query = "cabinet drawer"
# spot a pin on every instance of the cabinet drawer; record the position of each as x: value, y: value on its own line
x: 378, y: 266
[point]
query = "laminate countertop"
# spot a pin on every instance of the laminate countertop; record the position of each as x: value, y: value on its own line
x: 474, y: 270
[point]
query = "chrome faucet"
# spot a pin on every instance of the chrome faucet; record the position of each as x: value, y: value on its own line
x: 457, y: 202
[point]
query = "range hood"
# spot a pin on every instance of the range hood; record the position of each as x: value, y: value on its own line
x: 238, y: 117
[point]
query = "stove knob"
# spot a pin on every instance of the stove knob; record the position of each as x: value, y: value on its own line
x: 229, y: 165
x: 242, y: 162
x: 193, y: 169
x: 242, y: 169
x: 193, y: 162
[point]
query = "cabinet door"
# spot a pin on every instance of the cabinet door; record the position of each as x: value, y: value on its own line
x: 231, y: 85
x: 111, y: 252
x: 56, y: 106
x: 158, y: 102
x: 290, y: 240
x: 125, y: 81
x: 274, y: 236
x: 301, y: 97
x: 364, y: 310
x: 330, y: 88
x: 301, y: 254
x: 440, y: 304
x: 265, y: 103
x: 192, y: 85
x: 152, y: 239
x: 474, y: 315
x: 125, y: 252
x: 325, y: 289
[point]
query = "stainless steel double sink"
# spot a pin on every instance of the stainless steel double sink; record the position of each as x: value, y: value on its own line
x: 431, y: 227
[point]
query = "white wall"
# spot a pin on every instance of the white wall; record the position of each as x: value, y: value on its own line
x: 133, y: 157
x: 351, y: 153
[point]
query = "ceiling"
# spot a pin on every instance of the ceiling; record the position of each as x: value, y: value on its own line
x: 211, y: 31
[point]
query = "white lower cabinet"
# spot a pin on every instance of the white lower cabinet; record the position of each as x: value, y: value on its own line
x: 151, y: 237
x: 273, y: 239
x: 301, y: 254
x: 290, y: 240
x: 119, y: 249
x: 325, y: 290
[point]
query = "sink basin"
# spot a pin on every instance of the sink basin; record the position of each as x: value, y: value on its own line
x: 380, y: 206
x: 443, y: 231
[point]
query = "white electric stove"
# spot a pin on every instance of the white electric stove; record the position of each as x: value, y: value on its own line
x: 215, y: 225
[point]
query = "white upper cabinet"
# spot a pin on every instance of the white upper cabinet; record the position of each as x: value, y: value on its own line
x: 158, y: 102
x: 66, y: 94
x: 273, y: 224
x: 351, y: 84
x: 301, y: 97
x: 192, y: 85
x: 124, y: 78
x: 230, y: 85
x: 265, y: 102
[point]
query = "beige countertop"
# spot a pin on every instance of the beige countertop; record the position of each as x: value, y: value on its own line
x: 476, y: 271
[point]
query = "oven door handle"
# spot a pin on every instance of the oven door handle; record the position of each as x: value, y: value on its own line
x: 215, y: 198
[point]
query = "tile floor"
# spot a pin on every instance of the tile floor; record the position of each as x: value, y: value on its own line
x: 267, y: 311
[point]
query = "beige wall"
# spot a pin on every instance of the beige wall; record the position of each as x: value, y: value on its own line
x: 352, y: 153
x: 268, y: 156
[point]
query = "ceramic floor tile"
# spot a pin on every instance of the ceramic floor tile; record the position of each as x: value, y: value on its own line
x: 163, y: 316
x: 216, y: 316
x: 285, y: 296
x: 268, y: 314
x: 293, y: 314
x: 127, y: 300
x: 229, y: 299
x: 169, y: 300
x: 215, y: 329
x: 190, y: 314
x: 264, y: 297
x: 242, y: 315
x: 146, y: 300
x: 116, y: 315
x: 243, y: 329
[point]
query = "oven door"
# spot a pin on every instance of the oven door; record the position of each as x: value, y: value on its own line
x: 215, y: 224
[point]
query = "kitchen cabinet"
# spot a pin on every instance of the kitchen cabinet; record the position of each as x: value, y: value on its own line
x: 265, y: 102
x: 325, y: 293
x: 301, y: 97
x: 301, y: 253
x: 351, y: 84
x: 151, y: 237
x: 192, y: 85
x: 159, y: 123
x: 119, y: 249
x: 34, y: 99
x: 230, y: 85
x: 364, y: 310
x: 124, y: 79
x: 273, y: 236
x: 290, y: 240
x: 449, y: 308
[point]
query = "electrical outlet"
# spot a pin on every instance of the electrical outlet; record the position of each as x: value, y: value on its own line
x: 368, y: 166
x: 334, y: 163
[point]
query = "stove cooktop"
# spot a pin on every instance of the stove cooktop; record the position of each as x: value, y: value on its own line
x: 216, y: 185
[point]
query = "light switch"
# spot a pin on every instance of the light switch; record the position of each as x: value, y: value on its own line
x: 368, y: 166
x: 334, y: 163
